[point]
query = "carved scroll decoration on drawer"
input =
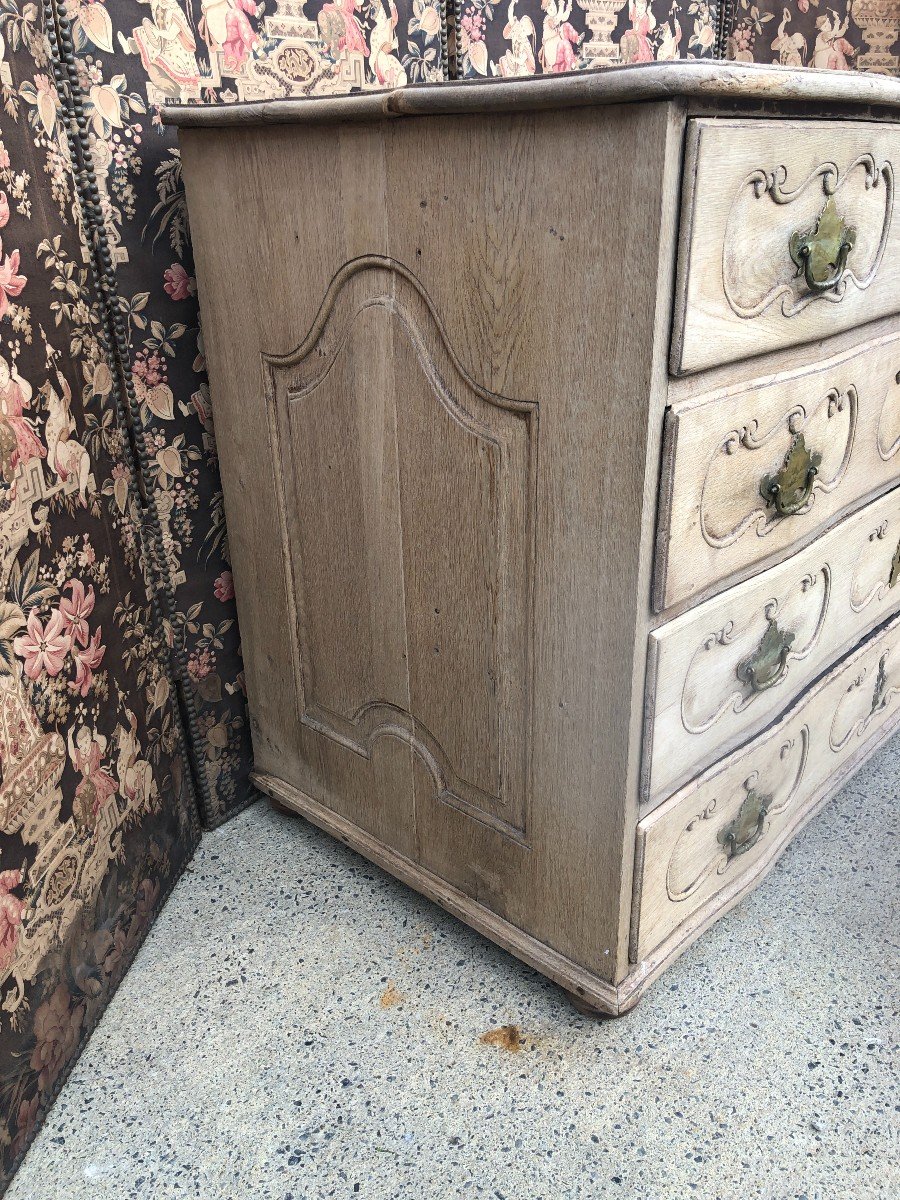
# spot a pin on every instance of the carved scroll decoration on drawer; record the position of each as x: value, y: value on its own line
x: 889, y: 423
x: 385, y: 440
x: 789, y: 233
x: 766, y: 794
x: 820, y: 258
x: 867, y: 697
x: 877, y: 568
x: 753, y: 651
x: 817, y: 443
x: 711, y: 840
x: 725, y: 669
x: 738, y: 485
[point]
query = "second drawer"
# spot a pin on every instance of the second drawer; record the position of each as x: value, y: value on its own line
x: 738, y: 486
x: 721, y: 672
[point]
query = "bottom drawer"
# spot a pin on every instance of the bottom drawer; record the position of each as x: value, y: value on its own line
x: 709, y: 841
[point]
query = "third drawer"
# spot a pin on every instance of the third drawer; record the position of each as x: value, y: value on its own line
x: 724, y: 670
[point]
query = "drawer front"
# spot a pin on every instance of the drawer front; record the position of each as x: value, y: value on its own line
x: 739, y: 486
x: 726, y: 669
x: 707, y: 843
x: 787, y: 235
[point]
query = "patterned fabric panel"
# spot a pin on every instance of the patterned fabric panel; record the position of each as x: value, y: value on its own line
x: 129, y: 57
x: 241, y: 50
x: 842, y: 35
x: 97, y: 816
x: 119, y: 48
x: 528, y: 37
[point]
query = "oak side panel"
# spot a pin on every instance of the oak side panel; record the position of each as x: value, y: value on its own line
x: 240, y: 328
x: 515, y: 279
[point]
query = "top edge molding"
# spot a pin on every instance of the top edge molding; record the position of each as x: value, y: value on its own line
x: 699, y: 81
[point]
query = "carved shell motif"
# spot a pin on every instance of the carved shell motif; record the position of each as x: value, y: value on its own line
x: 737, y: 817
x: 841, y: 227
x: 739, y: 497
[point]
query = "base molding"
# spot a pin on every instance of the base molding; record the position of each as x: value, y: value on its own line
x: 585, y: 990
x: 583, y: 986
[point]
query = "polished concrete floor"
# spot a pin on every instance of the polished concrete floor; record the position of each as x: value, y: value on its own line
x: 300, y: 1026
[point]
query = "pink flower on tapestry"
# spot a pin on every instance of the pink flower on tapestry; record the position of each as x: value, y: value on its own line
x: 4, y: 209
x: 87, y: 555
x: 178, y: 284
x: 473, y: 26
x: 76, y: 609
x: 86, y: 662
x: 43, y: 647
x: 56, y: 1029
x: 11, y: 282
x: 199, y: 665
x: 11, y: 909
x: 224, y: 588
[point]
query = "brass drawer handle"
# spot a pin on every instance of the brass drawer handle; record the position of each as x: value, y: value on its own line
x: 742, y: 834
x: 788, y: 490
x: 821, y: 255
x: 765, y: 667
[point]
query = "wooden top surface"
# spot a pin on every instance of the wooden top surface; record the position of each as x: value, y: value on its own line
x: 693, y: 80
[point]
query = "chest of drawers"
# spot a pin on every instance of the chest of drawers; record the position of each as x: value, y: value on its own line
x: 559, y: 424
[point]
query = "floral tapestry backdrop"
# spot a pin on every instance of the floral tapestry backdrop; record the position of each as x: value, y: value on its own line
x: 828, y: 34
x: 97, y: 814
x: 530, y: 37
x: 130, y: 57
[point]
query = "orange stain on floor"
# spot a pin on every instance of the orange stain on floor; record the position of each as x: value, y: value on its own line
x: 390, y: 997
x: 507, y: 1037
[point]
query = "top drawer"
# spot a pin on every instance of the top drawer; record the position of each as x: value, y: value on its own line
x: 786, y: 235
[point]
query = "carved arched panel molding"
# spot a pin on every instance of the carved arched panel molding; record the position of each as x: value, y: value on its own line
x: 422, y: 628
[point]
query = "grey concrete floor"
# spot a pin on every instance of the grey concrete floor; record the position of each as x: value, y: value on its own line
x: 299, y: 1025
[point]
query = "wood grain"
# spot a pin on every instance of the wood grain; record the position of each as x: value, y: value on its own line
x: 584, y: 985
x: 716, y: 84
x: 405, y: 633
x: 404, y: 468
x: 439, y: 395
x: 700, y: 703
x: 719, y: 445
x: 748, y: 187
x: 684, y: 858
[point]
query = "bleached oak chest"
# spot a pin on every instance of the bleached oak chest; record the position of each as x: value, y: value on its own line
x: 559, y: 425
